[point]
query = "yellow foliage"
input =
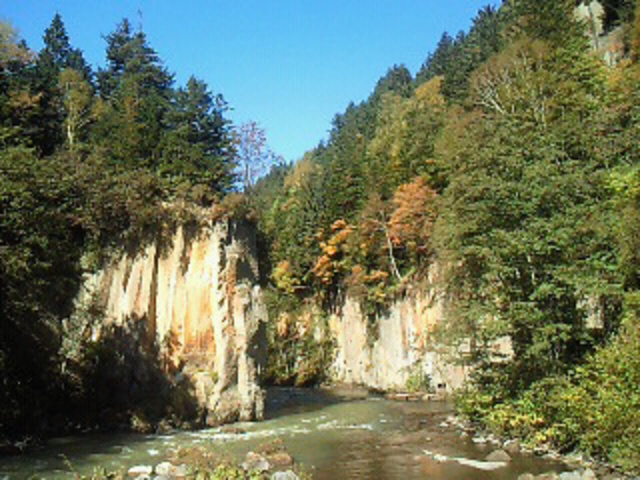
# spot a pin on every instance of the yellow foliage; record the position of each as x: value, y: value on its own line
x: 282, y: 325
x: 429, y: 93
x: 330, y: 250
x: 283, y: 277
x: 377, y: 276
x: 330, y: 262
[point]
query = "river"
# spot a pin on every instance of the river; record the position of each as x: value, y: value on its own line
x: 338, y: 434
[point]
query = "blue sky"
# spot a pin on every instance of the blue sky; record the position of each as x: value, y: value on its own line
x: 290, y: 65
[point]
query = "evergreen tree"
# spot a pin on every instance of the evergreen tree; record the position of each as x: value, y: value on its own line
x: 437, y: 62
x: 56, y: 55
x: 58, y: 52
x: 469, y: 51
x: 137, y: 90
x: 197, y: 146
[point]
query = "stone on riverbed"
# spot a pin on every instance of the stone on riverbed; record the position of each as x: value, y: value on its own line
x: 254, y: 462
x: 498, y: 456
x: 169, y: 470
x: 570, y: 476
x: 526, y: 476
x: 140, y: 471
x: 468, y: 462
x: 511, y: 446
x: 280, y: 459
x: 288, y: 475
x: 547, y: 476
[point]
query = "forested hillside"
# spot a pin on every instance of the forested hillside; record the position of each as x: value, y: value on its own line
x: 511, y: 160
x: 509, y: 163
x: 89, y: 161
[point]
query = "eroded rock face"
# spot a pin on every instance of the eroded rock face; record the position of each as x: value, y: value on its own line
x: 401, y: 351
x: 194, y: 301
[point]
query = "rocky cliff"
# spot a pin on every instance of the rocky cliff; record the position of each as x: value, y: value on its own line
x: 399, y: 351
x: 193, y: 301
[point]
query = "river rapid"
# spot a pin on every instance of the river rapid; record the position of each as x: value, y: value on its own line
x: 333, y: 434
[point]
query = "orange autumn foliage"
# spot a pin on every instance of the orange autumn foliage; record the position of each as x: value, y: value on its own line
x: 330, y: 263
x: 414, y: 213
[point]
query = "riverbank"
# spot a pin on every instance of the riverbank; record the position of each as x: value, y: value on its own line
x: 579, y: 466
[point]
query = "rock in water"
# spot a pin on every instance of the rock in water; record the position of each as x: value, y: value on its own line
x: 527, y: 476
x: 498, y: 456
x: 570, y: 476
x: 288, y: 475
x: 254, y: 462
x: 140, y: 471
x: 169, y: 470
x: 280, y: 459
x: 511, y: 446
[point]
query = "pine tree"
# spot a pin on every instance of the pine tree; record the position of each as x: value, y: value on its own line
x: 437, y: 62
x: 197, y: 147
x: 56, y: 55
x: 137, y: 90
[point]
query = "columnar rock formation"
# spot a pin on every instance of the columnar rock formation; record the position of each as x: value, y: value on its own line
x: 195, y: 298
x: 401, y: 349
x: 398, y: 349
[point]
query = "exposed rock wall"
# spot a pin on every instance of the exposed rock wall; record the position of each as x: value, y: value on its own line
x: 197, y: 301
x: 400, y: 347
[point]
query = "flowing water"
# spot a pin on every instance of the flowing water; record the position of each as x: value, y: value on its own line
x: 334, y: 435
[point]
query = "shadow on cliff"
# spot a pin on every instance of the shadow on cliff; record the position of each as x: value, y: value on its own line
x: 126, y: 382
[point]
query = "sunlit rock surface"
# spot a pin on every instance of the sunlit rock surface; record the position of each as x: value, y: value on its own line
x: 400, y: 351
x: 195, y: 297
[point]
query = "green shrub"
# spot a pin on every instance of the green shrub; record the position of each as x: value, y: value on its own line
x: 418, y: 380
x: 595, y: 408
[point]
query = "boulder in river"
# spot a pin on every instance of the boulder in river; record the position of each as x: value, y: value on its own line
x: 575, y: 475
x: 280, y: 459
x: 511, y: 446
x: 169, y: 470
x: 547, y: 476
x: 140, y: 471
x: 498, y: 456
x: 254, y: 462
x: 526, y: 476
x: 288, y: 475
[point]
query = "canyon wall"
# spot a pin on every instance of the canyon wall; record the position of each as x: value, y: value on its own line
x: 193, y: 299
x: 399, y: 350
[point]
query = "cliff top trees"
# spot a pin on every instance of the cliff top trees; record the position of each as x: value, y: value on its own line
x: 136, y: 89
x: 253, y: 156
x: 80, y: 172
x: 56, y: 56
x: 58, y: 53
x: 198, y: 146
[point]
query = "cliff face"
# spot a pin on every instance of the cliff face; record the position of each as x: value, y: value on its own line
x: 402, y: 350
x: 194, y: 300
x: 398, y: 350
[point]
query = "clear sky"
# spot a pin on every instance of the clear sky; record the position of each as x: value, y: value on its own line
x: 290, y: 65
